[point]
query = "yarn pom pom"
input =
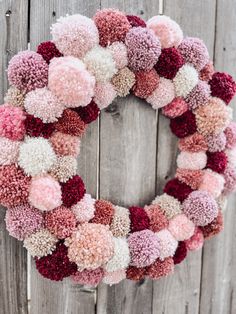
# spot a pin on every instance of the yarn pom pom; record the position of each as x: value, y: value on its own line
x: 48, y: 51
x: 199, y: 95
x: 207, y: 72
x: 64, y: 168
x: 175, y: 108
x: 121, y: 258
x: 167, y: 244
x: 196, y: 241
x: 192, y: 161
x: 230, y: 133
x: 84, y: 209
x: 135, y: 21
x: 185, y: 80
x: 88, y: 113
x: 169, y: 62
x: 88, y: 277
x: 65, y: 144
x: 216, y: 142
x: 118, y: 51
x: 135, y: 273
x: 104, y: 94
x: 104, y: 212
x: 161, y: 268
x: 193, y: 143
x: 14, y: 97
x: 12, y: 122
x: 114, y: 277
x: 181, y: 253
x: 120, y: 225
x: 72, y: 191
x: 184, y: 125
x: 138, y: 219
x: 214, y: 227
x: 212, y: 182
x: 181, y: 227
x: 169, y: 205
x: 230, y: 180
x: 217, y: 161
x: 123, y: 81
x: 162, y: 95
x: 193, y: 178
x: 36, y: 128
x: 9, y: 151
x: 158, y: 220
x: 223, y: 86
x: 145, y: 83
x: 177, y: 189
x: 71, y: 123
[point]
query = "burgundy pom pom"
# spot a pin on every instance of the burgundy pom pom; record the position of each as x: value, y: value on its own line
x: 214, y: 227
x: 35, y: 127
x: 184, y: 125
x: 72, y: 191
x: 217, y: 161
x: 169, y: 63
x: 48, y: 50
x: 135, y: 21
x: 138, y: 218
x: 134, y: 273
x: 180, y: 253
x: 177, y: 189
x: 88, y: 113
x: 223, y: 86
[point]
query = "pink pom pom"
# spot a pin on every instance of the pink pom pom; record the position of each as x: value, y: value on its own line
x: 230, y: 180
x: 114, y: 277
x: 199, y: 95
x: 167, y: 244
x: 181, y: 227
x: 175, y: 108
x: 84, y: 209
x: 119, y: 54
x: 9, y: 151
x: 12, y: 122
x: 196, y: 241
x: 230, y: 133
x: 216, y: 142
x: 212, y: 182
x: 65, y: 144
x: 163, y: 94
x: 88, y: 277
x: 192, y: 161
x: 104, y: 94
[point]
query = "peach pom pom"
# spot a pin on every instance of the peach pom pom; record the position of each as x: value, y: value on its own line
x: 175, y: 108
x: 193, y: 143
x: 192, y: 161
x: 193, y: 178
x: 119, y: 54
x: 120, y: 225
x: 65, y: 144
x: 104, y: 94
x: 12, y: 122
x: 162, y: 95
x: 196, y: 241
x: 9, y: 151
x: 181, y: 227
x: 185, y: 80
x: 84, y: 209
x: 167, y: 244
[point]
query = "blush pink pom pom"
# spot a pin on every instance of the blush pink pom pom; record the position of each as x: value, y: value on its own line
x: 114, y: 277
x: 181, y: 227
x: 196, y: 241
x: 212, y: 182
x: 199, y: 95
x: 104, y: 94
x: 84, y: 209
x: 119, y: 54
x: 192, y: 161
x: 167, y: 244
x: 216, y: 142
x: 175, y: 108
x: 9, y: 151
x: 230, y: 133
x: 88, y: 277
x: 162, y: 95
x: 65, y: 144
x: 12, y: 122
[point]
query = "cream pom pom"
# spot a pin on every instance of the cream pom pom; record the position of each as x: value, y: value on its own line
x: 185, y: 80
x: 192, y: 161
x: 64, y: 168
x: 119, y: 54
x: 104, y: 94
x: 163, y: 94
x: 121, y: 257
x: 168, y: 204
x: 120, y: 225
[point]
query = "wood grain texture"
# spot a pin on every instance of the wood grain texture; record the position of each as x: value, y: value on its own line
x: 13, y: 259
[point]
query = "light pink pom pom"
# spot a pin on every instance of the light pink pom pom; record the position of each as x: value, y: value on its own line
x: 181, y: 227
x: 192, y: 161
x: 12, y: 122
x: 88, y: 277
x: 163, y: 94
x: 119, y: 54
x: 167, y: 243
x: 114, y: 277
x: 175, y: 108
x: 230, y: 180
x: 104, y: 94
x: 84, y: 209
x: 196, y: 241
x: 212, y: 182
x: 9, y: 151
x: 230, y: 133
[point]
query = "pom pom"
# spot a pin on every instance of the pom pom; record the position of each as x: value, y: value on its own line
x: 22, y: 221
x: 114, y: 277
x: 56, y: 266
x: 167, y: 244
x: 175, y: 108
x: 45, y: 193
x: 120, y: 225
x: 181, y: 253
x: 216, y: 142
x: 200, y: 207
x: 231, y: 157
x: 199, y: 95
x: 196, y: 240
x: 12, y: 122
x: 138, y: 219
x: 64, y: 168
x: 88, y: 113
x: 184, y: 125
x: 230, y: 133
x: 84, y: 209
x: 145, y: 83
x: 69, y: 80
x: 223, y: 86
x: 161, y: 268
x: 230, y: 180
x: 118, y: 51
x: 72, y: 191
x: 167, y: 30
x: 28, y: 70
x: 162, y: 95
x: 193, y: 143
x: 193, y: 178
x: 36, y: 128
x: 135, y: 21
x: 158, y: 220
x: 185, y: 80
x: 9, y: 151
x: 143, y: 48
x: 121, y: 257
x: 65, y: 144
x: 177, y: 189
x: 169, y: 205
x: 192, y: 161
x: 88, y: 277
x: 91, y: 246
x: 207, y: 72
x: 14, y: 97
x: 144, y: 248
x: 71, y: 123
x: 104, y: 94
x: 217, y: 161
x: 181, y: 227
x: 135, y: 273
x: 123, y: 81
x: 112, y: 26
x: 48, y: 51
x: 169, y: 62
x: 212, y: 182
x: 104, y: 212
x: 214, y: 227
x: 40, y: 243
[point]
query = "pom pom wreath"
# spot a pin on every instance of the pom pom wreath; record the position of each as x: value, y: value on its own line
x: 214, y: 227
x: 118, y: 51
x: 230, y: 180
x: 194, y: 51
x: 41, y: 103
x: 193, y: 178
x: 135, y: 273
x: 136, y: 21
x: 181, y: 227
x: 177, y: 189
x: 216, y: 142
x: 167, y: 30
x: 56, y: 265
x: 230, y: 134
x: 61, y: 221
x: 192, y: 161
x: 200, y: 207
x: 167, y: 244
x: 40, y: 243
x: 120, y: 225
x: 48, y: 51
x: 184, y: 125
x: 169, y: 62
x: 175, y: 108
x: 64, y: 168
x: 100, y: 64
x: 14, y: 186
x: 71, y: 123
x: 9, y: 151
x: 69, y: 80
x: 72, y: 191
x: 223, y: 86
x: 212, y: 182
x: 181, y: 253
x: 162, y: 95
x: 14, y: 97
x: 193, y: 143
x: 84, y: 209
x: 145, y: 83
x: 196, y: 240
x: 123, y: 81
x: 65, y: 144
x: 114, y: 277
x: 144, y: 248
x: 158, y: 220
x: 121, y: 256
x: 74, y: 35
x: 199, y: 95
x: 89, y: 277
x: 185, y: 80
x: 28, y: 70
x: 213, y: 118
x: 35, y: 127
x: 143, y: 48
x: 217, y: 161
x: 112, y: 26
x: 91, y: 246
x: 104, y: 212
x: 22, y: 221
x: 161, y: 268
x: 36, y: 156
x: 138, y: 219
x: 169, y: 205
x: 207, y: 72
x: 104, y: 94
x: 45, y: 193
x: 88, y: 113
x: 12, y: 122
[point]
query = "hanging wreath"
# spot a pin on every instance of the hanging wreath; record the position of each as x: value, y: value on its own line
x: 56, y: 91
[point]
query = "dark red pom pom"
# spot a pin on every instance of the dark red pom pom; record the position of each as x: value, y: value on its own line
x: 217, y: 161
x: 177, y: 189
x: 139, y: 219
x: 48, y: 50
x: 35, y: 127
x: 180, y: 253
x: 214, y: 227
x: 184, y: 125
x: 223, y: 86
x: 135, y: 21
x: 56, y: 266
x: 169, y: 63
x: 88, y: 113
x: 134, y: 273
x: 72, y: 191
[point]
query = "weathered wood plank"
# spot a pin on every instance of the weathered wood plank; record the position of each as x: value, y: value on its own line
x: 180, y: 293
x: 13, y: 259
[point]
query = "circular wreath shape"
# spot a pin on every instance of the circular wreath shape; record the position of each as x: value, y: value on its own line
x: 56, y: 91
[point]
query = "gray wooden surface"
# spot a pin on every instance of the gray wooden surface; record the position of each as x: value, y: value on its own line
x: 130, y: 153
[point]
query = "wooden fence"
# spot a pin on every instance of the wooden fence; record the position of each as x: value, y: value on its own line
x: 132, y: 153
